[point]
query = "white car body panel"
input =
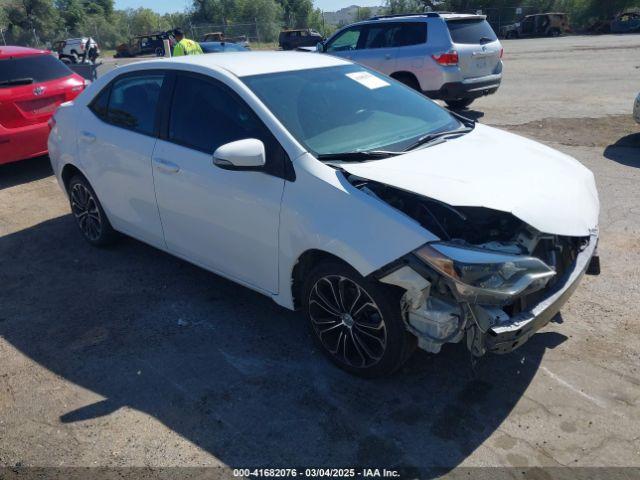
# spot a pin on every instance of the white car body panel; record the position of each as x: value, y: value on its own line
x: 550, y: 191
x: 117, y: 162
x: 242, y: 64
x: 226, y: 221
x: 322, y: 211
x: 260, y: 225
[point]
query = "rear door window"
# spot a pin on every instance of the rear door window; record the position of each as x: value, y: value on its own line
x: 409, y: 33
x: 130, y: 102
x: 31, y: 69
x: 394, y: 34
x: 472, y: 31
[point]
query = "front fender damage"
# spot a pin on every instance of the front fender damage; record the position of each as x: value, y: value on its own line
x: 435, y: 307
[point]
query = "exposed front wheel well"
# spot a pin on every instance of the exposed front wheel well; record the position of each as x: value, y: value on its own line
x: 305, y: 264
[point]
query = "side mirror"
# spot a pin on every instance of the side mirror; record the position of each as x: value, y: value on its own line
x: 319, y: 47
x: 247, y: 154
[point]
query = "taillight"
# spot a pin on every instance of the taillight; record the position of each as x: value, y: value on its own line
x: 446, y: 58
x: 79, y: 88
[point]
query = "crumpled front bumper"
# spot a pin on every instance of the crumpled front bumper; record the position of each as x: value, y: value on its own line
x: 506, y: 337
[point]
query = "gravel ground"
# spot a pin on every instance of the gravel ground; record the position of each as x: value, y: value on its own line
x: 129, y: 357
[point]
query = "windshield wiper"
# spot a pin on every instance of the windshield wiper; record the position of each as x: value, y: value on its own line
x: 358, y: 156
x: 434, y: 136
x: 17, y: 81
x: 484, y: 40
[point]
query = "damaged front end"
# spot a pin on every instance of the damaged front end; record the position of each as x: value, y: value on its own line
x: 491, y: 278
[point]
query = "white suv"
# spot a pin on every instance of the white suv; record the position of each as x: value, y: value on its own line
x: 74, y: 49
x: 453, y: 57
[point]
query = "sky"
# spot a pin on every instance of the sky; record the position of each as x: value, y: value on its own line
x: 165, y: 6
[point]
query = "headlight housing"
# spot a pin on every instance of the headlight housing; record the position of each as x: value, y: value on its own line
x: 482, y: 276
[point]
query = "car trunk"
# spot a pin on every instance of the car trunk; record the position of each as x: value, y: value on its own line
x: 477, y: 46
x: 31, y: 88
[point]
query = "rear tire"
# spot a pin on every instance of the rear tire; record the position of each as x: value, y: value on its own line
x: 356, y: 321
x: 89, y: 214
x: 460, y: 104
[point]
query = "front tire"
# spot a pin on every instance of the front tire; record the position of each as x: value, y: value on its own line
x: 459, y: 104
x: 89, y: 214
x: 356, y: 321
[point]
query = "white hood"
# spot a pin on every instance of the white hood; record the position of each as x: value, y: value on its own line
x: 491, y: 168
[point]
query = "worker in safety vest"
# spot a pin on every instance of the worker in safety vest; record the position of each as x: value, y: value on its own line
x: 184, y: 45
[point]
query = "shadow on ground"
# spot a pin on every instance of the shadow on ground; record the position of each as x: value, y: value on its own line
x: 24, y: 171
x: 230, y: 371
x: 625, y: 151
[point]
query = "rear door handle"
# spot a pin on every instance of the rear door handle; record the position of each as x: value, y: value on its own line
x: 87, y: 136
x: 166, y: 166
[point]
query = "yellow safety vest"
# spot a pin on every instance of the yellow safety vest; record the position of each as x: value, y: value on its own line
x: 186, y: 47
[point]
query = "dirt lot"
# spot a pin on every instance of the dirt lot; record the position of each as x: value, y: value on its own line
x: 129, y: 357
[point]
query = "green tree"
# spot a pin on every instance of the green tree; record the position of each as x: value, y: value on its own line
x: 363, y: 13
x: 403, y: 6
x: 32, y: 22
x: 71, y: 11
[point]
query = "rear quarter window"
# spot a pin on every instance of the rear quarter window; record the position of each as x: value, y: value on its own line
x: 410, y: 34
x: 472, y: 31
x: 40, y: 68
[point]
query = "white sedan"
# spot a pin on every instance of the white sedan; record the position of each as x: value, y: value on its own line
x: 389, y: 221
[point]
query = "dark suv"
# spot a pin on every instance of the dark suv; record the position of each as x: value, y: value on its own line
x: 304, y: 37
x: 539, y: 25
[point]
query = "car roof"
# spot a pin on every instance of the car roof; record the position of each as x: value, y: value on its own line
x: 418, y: 17
x: 15, y: 51
x: 424, y: 15
x: 243, y: 64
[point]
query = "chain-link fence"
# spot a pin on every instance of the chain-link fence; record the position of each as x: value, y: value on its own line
x: 258, y: 33
x: 255, y: 32
x: 503, y: 16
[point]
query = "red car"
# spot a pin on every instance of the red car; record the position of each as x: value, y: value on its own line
x: 33, y: 83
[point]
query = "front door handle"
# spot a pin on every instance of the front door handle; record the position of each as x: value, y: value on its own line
x: 87, y: 136
x: 388, y: 56
x: 166, y: 166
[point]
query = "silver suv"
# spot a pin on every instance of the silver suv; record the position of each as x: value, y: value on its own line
x: 448, y: 56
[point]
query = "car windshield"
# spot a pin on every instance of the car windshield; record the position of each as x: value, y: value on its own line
x: 349, y: 109
x: 36, y: 68
x: 471, y: 31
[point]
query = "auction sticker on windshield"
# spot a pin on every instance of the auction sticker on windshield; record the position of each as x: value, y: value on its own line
x: 365, y: 78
